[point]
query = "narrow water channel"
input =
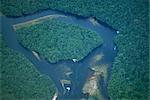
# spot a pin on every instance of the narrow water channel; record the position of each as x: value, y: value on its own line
x: 57, y: 71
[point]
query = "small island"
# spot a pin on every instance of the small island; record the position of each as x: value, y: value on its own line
x: 56, y: 40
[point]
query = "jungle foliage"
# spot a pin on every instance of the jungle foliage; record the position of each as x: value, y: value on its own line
x: 19, y: 78
x: 56, y: 40
x: 130, y: 69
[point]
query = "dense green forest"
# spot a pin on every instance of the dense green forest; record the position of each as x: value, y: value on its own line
x: 19, y: 78
x: 56, y: 40
x: 130, y: 70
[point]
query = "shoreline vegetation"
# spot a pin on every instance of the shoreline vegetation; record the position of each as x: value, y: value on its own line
x: 19, y: 78
x: 130, y: 77
x: 58, y: 41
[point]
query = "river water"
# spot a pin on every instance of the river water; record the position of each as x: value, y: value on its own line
x: 80, y: 70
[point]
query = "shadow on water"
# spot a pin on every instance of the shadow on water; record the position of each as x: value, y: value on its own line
x: 57, y: 71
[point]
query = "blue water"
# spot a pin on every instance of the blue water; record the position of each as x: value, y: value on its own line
x: 57, y: 71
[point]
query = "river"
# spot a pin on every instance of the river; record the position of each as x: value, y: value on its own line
x: 57, y: 71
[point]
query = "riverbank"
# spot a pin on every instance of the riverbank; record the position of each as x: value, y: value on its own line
x: 92, y: 87
x: 36, y: 21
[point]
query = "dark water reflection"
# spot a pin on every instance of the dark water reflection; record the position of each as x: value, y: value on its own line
x: 80, y: 70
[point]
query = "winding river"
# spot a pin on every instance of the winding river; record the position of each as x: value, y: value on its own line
x: 57, y: 71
